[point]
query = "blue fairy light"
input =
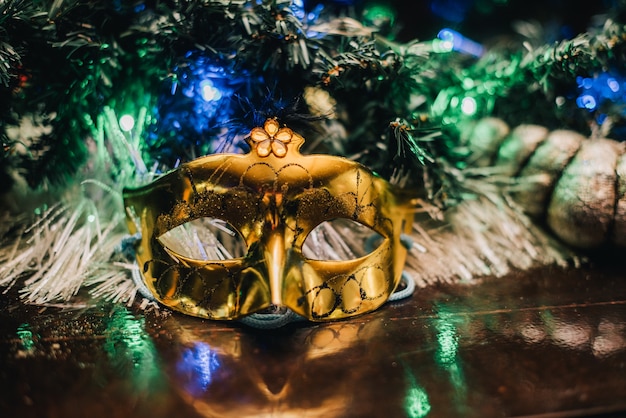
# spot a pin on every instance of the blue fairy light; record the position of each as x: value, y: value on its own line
x: 297, y: 7
x: 585, y: 83
x: 313, y: 15
x: 451, y: 40
x: 602, y: 89
x: 195, y: 105
x: 613, y: 85
x: 587, y: 101
x: 206, y: 83
x: 209, y: 92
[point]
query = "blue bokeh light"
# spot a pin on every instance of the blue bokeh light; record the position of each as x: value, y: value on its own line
x: 451, y: 40
x: 297, y: 7
x: 195, y: 104
x: 209, y: 92
x: 602, y: 89
x: 587, y: 101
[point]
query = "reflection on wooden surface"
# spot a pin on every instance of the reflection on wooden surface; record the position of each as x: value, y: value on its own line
x: 545, y: 342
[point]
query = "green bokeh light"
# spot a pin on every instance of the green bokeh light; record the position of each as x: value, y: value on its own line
x: 379, y: 13
x: 469, y: 106
x: 127, y: 123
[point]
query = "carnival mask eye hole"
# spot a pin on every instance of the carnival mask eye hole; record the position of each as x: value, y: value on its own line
x: 205, y: 239
x: 340, y: 240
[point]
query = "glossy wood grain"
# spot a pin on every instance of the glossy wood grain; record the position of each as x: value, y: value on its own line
x: 549, y: 342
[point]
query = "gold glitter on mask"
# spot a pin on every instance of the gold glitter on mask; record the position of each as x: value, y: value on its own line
x: 273, y: 198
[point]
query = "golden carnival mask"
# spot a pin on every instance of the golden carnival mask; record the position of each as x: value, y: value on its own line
x: 273, y: 198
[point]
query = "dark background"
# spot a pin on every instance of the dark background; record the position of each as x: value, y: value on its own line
x: 484, y: 19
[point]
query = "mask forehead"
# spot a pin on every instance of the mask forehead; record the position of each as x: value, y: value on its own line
x: 274, y: 198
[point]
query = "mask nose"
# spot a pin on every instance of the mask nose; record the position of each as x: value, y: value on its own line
x: 275, y: 261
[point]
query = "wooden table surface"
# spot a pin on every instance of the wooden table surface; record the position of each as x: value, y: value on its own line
x: 549, y: 342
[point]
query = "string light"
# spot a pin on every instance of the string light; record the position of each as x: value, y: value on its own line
x: 469, y: 106
x: 587, y: 101
x: 380, y: 16
x: 195, y: 104
x: 127, y: 123
x: 451, y: 40
x: 605, y: 87
x: 209, y: 92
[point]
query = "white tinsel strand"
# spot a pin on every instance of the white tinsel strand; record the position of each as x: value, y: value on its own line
x: 113, y: 284
x: 73, y: 244
x: 64, y: 251
x: 483, y: 236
